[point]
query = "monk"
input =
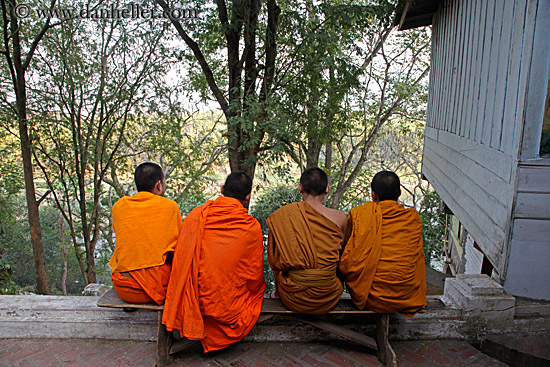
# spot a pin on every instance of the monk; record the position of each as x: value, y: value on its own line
x: 383, y: 259
x: 216, y: 289
x: 146, y: 226
x: 304, y: 244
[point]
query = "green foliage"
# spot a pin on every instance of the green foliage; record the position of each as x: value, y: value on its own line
x: 271, y: 200
x: 59, y: 248
x: 7, y: 285
x: 434, y: 224
x: 101, y: 103
x: 15, y: 245
x: 16, y: 259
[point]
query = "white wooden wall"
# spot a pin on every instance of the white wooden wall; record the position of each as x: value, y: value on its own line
x: 528, y: 271
x: 481, y: 67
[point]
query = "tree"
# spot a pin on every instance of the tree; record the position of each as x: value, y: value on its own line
x: 94, y: 78
x: 395, y: 89
x: 243, y: 84
x: 350, y: 75
x: 15, y: 43
x: 12, y: 232
x: 398, y: 148
x: 320, y: 63
x: 187, y: 144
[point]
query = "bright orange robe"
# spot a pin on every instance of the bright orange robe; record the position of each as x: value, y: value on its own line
x: 145, y: 285
x: 383, y: 261
x: 146, y: 228
x: 216, y: 288
x: 303, y: 251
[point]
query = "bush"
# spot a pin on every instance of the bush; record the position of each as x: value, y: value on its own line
x: 433, y: 229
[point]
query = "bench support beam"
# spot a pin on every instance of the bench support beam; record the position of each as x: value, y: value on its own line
x: 164, y: 343
x: 386, y: 354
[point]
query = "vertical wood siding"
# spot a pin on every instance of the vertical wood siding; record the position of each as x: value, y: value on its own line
x: 481, y: 56
x: 477, y: 53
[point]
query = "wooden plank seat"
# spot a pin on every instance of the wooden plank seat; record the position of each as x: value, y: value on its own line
x: 270, y: 308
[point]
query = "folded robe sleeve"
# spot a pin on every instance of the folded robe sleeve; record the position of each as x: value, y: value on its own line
x: 181, y: 310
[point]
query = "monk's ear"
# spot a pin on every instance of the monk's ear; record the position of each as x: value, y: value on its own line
x: 222, y: 189
x: 157, y: 190
x: 327, y: 189
x: 300, y: 188
x: 247, y: 198
x: 374, y: 196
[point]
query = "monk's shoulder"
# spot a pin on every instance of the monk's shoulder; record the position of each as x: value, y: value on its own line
x: 195, y: 211
x: 169, y: 203
x: 121, y: 204
x: 256, y: 226
x: 415, y: 216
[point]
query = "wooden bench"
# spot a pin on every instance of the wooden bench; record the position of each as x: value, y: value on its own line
x: 270, y: 308
x: 164, y: 338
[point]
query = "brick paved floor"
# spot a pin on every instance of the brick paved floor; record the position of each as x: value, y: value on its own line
x: 99, y: 353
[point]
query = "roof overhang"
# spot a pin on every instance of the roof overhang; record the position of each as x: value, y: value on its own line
x: 419, y: 14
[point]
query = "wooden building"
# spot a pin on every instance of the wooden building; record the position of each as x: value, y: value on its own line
x: 487, y: 135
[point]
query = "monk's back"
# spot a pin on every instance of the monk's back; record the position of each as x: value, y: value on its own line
x: 303, y: 251
x: 388, y: 240
x: 401, y: 236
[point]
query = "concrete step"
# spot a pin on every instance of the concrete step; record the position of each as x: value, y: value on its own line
x: 531, y: 350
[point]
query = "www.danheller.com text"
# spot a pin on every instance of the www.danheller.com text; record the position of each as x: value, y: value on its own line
x: 130, y: 11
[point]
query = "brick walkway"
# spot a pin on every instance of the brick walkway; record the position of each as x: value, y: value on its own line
x: 99, y: 353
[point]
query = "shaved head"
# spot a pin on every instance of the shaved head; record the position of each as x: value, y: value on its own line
x: 314, y: 181
x: 237, y: 185
x: 386, y: 185
x: 147, y: 175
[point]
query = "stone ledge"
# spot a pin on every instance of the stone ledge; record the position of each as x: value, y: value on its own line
x: 79, y: 317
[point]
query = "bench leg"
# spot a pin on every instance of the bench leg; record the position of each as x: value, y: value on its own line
x: 164, y: 342
x: 386, y: 354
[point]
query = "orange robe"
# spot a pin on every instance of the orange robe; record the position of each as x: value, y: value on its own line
x: 146, y: 228
x: 216, y: 289
x: 383, y: 261
x: 303, y: 251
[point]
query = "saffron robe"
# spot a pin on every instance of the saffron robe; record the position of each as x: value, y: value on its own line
x: 383, y: 260
x: 216, y: 288
x: 144, y: 285
x: 146, y: 228
x: 303, y: 251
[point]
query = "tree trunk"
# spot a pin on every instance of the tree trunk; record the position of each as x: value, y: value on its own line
x: 32, y: 205
x: 26, y: 155
x: 64, y: 254
x: 90, y: 268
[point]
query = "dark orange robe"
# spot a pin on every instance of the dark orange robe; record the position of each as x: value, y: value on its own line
x: 303, y: 251
x: 216, y: 288
x: 383, y: 260
x: 146, y: 228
